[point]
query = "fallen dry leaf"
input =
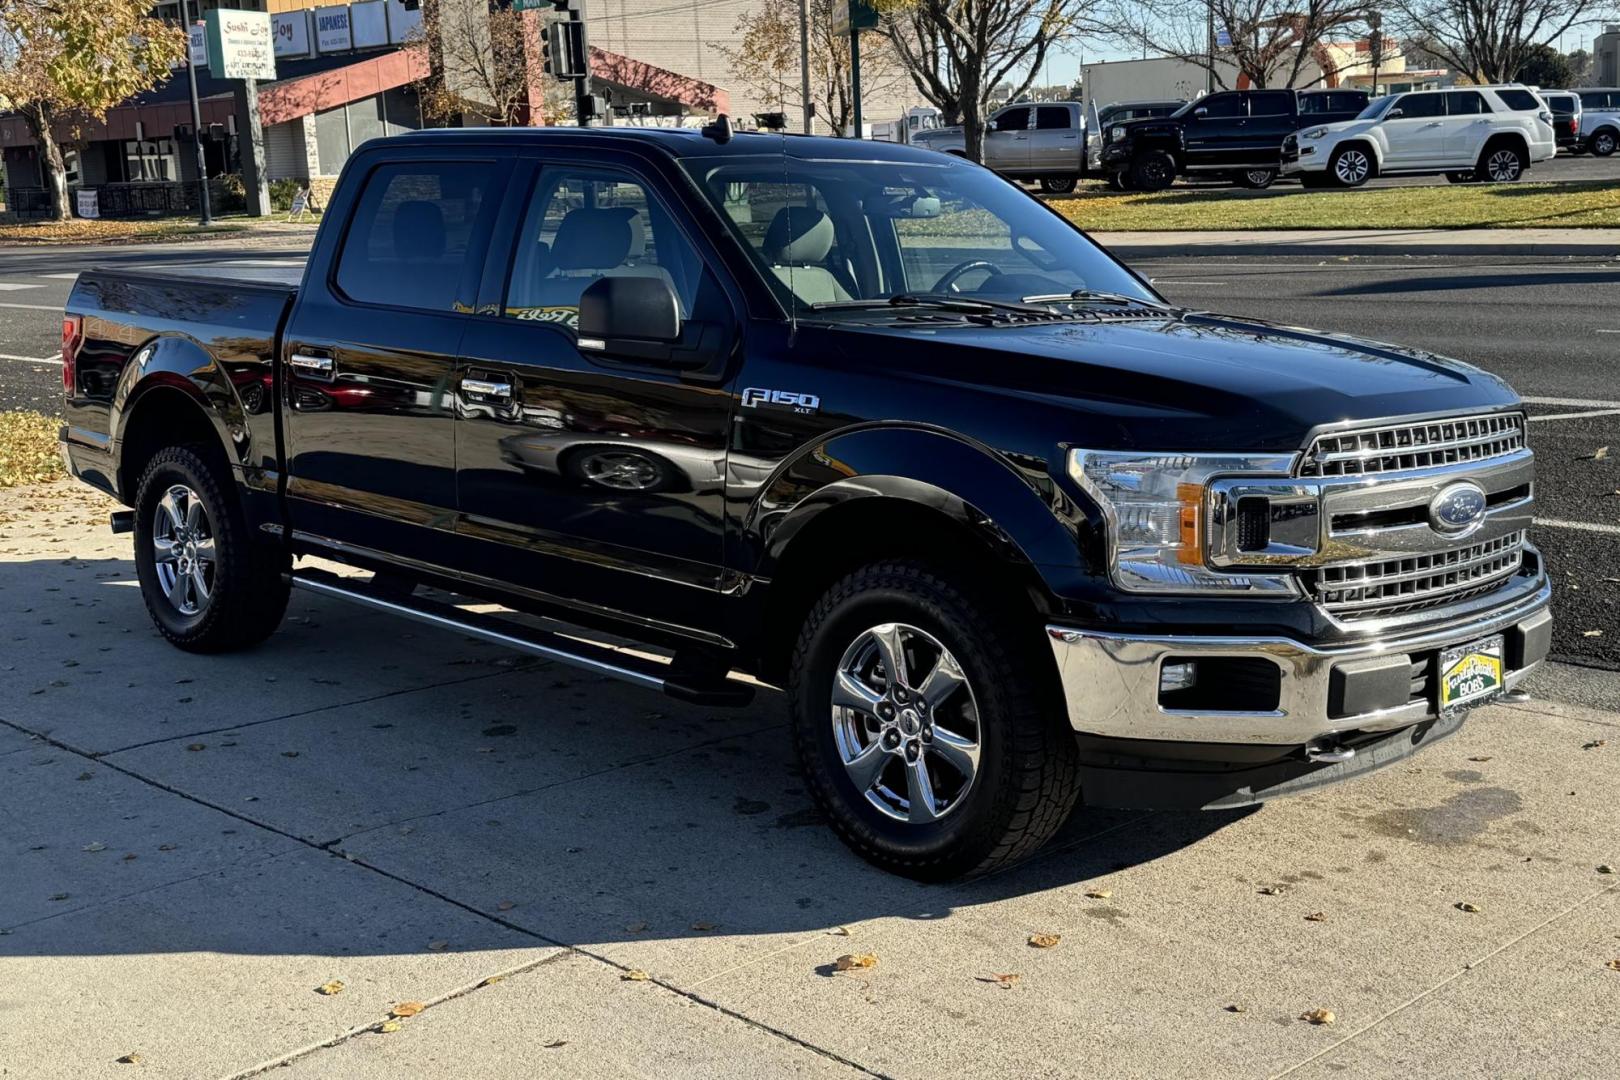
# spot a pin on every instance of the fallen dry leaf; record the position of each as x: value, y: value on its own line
x: 388, y: 1027
x: 1599, y: 454
x: 1006, y: 982
x: 1100, y: 894
x: 505, y: 905
x: 1463, y: 905
x: 1613, y: 965
x: 703, y: 927
x: 635, y: 975
x: 97, y: 846
x: 1237, y: 1008
x: 850, y: 961
x: 1605, y: 868
x: 438, y: 946
x: 1318, y: 1016
x: 1595, y: 744
x: 328, y: 989
x: 406, y: 1008
x: 1481, y: 757
x: 1316, y: 916
x: 554, y: 1044
x: 839, y: 931
x: 1591, y: 633
x: 635, y: 927
x: 130, y: 1058
x: 197, y: 746
x: 492, y: 980
x: 1273, y: 890
x: 1044, y: 941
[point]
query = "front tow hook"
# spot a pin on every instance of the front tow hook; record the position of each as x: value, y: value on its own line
x: 1327, y: 753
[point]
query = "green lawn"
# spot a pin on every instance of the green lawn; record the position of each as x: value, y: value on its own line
x: 1287, y: 206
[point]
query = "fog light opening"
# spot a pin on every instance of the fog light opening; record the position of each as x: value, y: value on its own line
x: 1245, y: 684
x: 1179, y: 676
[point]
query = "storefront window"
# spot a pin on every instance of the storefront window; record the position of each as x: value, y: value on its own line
x: 150, y: 160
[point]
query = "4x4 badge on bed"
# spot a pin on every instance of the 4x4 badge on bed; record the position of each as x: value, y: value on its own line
x: 754, y: 397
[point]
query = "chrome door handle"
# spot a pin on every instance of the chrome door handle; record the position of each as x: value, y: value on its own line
x: 313, y: 365
x: 1432, y: 123
x: 486, y: 388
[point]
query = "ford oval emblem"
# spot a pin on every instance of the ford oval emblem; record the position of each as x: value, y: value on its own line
x: 1457, y: 508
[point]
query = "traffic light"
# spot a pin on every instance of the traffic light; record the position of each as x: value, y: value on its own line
x: 556, y: 40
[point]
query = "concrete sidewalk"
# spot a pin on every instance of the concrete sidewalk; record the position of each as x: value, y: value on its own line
x: 192, y: 845
x: 1600, y: 243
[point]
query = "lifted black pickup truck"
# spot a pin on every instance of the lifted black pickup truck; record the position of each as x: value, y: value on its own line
x: 864, y: 421
x: 1236, y: 135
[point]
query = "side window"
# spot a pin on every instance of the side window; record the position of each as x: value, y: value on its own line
x: 1051, y: 117
x: 1519, y: 100
x: 1011, y: 120
x: 1222, y: 107
x: 409, y: 234
x: 1415, y: 105
x: 1465, y: 103
x: 1270, y: 103
x: 587, y: 224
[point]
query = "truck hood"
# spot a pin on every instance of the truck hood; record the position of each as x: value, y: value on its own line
x: 1338, y: 129
x: 1196, y: 381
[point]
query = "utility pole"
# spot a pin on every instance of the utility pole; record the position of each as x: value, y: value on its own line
x: 855, y: 77
x: 804, y: 62
x: 1375, y: 47
x: 196, y: 119
x: 1209, y: 31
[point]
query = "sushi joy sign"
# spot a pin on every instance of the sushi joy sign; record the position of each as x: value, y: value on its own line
x: 240, y: 44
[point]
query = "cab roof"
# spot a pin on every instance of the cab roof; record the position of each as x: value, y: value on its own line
x: 677, y: 142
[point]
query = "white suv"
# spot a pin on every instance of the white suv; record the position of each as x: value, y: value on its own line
x: 1600, y: 120
x: 1473, y: 133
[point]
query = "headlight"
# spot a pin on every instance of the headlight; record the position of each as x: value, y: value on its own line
x: 1117, y: 134
x: 1157, y: 514
x: 1314, y: 133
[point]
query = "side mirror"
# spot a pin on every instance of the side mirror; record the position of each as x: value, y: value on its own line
x: 1393, y: 113
x: 1200, y: 111
x: 633, y: 318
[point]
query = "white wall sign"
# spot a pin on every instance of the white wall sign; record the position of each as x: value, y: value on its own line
x: 199, y: 45
x: 240, y: 44
x: 369, y: 23
x: 401, y: 22
x: 332, y: 33
x: 291, y: 30
x: 89, y: 203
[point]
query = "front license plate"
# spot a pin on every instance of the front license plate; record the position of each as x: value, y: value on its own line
x: 1470, y: 674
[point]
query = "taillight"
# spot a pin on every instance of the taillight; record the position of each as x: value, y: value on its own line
x: 72, y: 337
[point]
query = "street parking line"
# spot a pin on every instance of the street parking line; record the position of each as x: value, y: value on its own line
x: 74, y: 276
x: 1168, y: 281
x: 34, y: 307
x: 1576, y: 415
x: 17, y: 286
x: 56, y: 360
x: 1583, y: 526
x: 1607, y: 331
x: 1572, y: 403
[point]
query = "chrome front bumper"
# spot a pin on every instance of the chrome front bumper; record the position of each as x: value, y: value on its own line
x: 1111, y: 681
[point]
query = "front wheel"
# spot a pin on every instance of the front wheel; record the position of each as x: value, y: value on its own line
x: 209, y: 586
x: 1351, y: 167
x: 1604, y: 143
x: 1057, y: 185
x: 929, y: 725
x: 1153, y: 170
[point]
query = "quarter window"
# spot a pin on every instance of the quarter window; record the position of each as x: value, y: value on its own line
x: 1519, y: 100
x: 408, y: 237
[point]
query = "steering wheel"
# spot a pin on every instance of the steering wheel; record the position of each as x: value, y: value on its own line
x: 947, y: 281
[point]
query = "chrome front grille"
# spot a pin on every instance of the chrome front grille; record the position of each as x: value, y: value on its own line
x: 1395, y: 586
x: 1414, y: 445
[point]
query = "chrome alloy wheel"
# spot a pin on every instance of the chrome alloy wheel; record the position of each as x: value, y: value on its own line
x: 906, y: 723
x: 1503, y: 166
x: 1352, y: 167
x: 183, y: 549
x: 624, y: 470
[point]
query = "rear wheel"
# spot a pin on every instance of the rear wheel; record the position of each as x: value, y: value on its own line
x: 1604, y: 142
x: 1153, y: 170
x: 928, y: 724
x: 209, y: 586
x: 1057, y: 185
x: 1351, y: 166
x: 1500, y: 164
x: 1255, y: 179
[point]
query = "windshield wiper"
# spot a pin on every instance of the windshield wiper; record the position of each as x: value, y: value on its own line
x: 942, y: 301
x: 1095, y: 296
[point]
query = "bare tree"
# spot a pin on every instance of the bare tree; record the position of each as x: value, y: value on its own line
x: 767, y: 61
x: 958, y: 52
x: 1272, y: 42
x: 1489, y: 40
x: 477, y: 60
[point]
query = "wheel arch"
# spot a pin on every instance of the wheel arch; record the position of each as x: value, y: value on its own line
x: 1514, y: 138
x: 1373, y: 151
x: 173, y: 392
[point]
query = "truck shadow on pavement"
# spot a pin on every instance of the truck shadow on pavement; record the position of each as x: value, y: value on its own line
x: 360, y: 785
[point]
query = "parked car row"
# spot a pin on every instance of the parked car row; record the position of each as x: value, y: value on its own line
x: 1329, y: 137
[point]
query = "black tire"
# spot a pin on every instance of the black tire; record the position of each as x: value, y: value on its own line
x: 1461, y: 178
x: 1342, y: 170
x: 1255, y: 179
x: 1026, y: 781
x: 247, y: 587
x: 1501, y: 163
x: 1058, y: 185
x: 1153, y: 170
x: 1603, y: 142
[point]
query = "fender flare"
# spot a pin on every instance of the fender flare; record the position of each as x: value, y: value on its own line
x: 1017, y: 511
x: 172, y: 363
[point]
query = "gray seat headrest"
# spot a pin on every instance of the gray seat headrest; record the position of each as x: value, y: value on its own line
x: 418, y: 230
x: 598, y: 238
x: 798, y: 236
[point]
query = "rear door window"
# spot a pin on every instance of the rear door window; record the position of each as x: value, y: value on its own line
x: 411, y: 232
x: 1271, y: 103
x: 1595, y: 99
x: 1051, y: 118
x: 1465, y: 103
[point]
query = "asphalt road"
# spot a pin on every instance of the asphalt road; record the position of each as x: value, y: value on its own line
x: 1551, y: 328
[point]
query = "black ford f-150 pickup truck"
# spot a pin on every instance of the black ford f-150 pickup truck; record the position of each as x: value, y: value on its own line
x: 863, y: 421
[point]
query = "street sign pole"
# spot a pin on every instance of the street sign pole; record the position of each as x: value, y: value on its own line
x: 855, y: 77
x: 196, y: 119
x: 804, y: 62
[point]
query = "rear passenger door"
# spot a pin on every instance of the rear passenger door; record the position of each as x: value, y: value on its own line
x: 1006, y: 141
x: 1468, y: 125
x: 1271, y: 119
x: 583, y: 480
x: 1054, y: 145
x: 370, y: 353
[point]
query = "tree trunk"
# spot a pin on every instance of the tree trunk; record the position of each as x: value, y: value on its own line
x: 50, y: 157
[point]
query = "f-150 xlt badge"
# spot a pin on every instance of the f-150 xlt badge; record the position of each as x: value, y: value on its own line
x: 754, y: 397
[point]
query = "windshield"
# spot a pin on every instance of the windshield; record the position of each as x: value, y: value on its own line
x: 1375, y: 108
x: 1185, y: 109
x: 830, y: 232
